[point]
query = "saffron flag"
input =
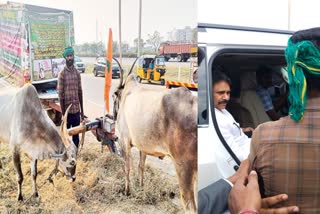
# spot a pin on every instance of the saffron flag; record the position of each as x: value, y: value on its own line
x: 108, y: 71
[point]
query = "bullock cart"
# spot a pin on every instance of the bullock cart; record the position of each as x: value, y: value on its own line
x: 101, y: 127
x: 48, y: 95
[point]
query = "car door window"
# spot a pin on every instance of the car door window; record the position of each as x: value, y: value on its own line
x: 203, y: 118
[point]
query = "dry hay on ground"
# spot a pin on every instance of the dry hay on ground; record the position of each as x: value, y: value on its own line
x: 99, y: 187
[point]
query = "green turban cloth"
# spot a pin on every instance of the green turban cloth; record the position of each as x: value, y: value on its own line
x: 68, y: 51
x: 303, y: 60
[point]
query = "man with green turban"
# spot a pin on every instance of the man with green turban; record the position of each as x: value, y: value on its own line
x: 286, y: 153
x: 68, y: 51
x: 70, y: 92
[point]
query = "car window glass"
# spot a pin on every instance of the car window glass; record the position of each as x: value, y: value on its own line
x: 202, y: 89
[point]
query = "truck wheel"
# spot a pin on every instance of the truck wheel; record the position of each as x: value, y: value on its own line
x: 139, y: 79
x: 95, y: 72
x: 179, y: 58
x: 163, y: 81
x: 166, y: 59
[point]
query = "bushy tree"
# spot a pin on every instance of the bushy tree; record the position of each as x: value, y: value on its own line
x: 154, y: 40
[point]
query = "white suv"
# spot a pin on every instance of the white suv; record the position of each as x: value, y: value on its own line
x: 238, y: 51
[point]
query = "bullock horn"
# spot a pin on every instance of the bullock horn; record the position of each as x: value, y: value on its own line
x: 121, y: 84
x: 133, y: 64
x: 121, y: 72
x: 59, y: 155
x: 64, y: 131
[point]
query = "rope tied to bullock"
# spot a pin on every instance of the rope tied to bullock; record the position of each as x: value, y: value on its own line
x: 303, y: 60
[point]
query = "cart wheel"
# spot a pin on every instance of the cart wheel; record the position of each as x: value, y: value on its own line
x: 163, y: 81
x: 139, y: 79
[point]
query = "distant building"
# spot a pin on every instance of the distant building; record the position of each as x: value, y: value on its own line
x: 181, y: 35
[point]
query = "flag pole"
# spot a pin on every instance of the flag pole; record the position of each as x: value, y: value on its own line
x: 108, y: 75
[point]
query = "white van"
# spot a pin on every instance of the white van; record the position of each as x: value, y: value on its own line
x: 238, y: 51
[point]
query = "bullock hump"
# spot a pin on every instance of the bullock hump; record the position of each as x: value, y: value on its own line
x: 180, y: 106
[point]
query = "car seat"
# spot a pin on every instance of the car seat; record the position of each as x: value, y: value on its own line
x: 250, y: 100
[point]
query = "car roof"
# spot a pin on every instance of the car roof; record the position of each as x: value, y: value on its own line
x: 227, y: 34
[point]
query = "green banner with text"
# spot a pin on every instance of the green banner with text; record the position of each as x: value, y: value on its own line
x: 50, y: 34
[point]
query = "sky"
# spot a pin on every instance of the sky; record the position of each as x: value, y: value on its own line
x: 163, y: 16
x: 166, y: 15
x: 261, y: 13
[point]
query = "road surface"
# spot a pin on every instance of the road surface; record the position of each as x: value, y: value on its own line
x: 93, y: 94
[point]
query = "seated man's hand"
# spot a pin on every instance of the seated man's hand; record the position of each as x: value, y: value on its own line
x: 270, y: 201
x: 247, y: 129
x: 245, y: 195
x: 241, y: 173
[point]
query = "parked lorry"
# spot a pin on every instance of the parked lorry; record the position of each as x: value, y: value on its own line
x: 32, y: 40
x: 182, y: 52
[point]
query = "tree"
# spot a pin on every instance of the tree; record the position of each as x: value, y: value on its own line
x: 135, y: 42
x: 125, y: 47
x: 115, y: 47
x: 85, y: 48
x: 154, y: 40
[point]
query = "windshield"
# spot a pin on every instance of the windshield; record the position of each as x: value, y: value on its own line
x: 160, y: 61
x: 114, y: 64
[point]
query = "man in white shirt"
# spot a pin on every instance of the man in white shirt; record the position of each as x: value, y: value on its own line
x: 237, y: 140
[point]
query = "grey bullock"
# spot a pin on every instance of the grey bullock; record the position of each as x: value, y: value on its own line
x: 26, y: 127
x: 159, y: 122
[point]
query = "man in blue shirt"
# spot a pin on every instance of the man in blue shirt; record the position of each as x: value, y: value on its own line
x: 264, y: 80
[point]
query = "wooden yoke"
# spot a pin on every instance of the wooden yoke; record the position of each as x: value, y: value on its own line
x: 77, y: 130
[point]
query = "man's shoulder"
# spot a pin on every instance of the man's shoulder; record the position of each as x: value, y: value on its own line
x: 63, y: 70
x: 282, y: 121
x: 270, y: 128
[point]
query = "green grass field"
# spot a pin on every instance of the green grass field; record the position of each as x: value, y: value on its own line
x: 171, y: 74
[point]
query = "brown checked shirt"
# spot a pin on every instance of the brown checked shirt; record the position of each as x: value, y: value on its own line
x: 69, y: 89
x: 286, y: 154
